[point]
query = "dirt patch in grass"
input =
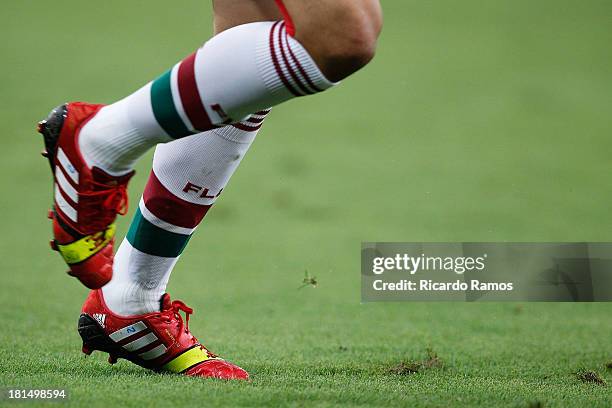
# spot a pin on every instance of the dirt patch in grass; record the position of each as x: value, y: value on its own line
x: 590, y: 377
x: 405, y: 368
x: 413, y: 367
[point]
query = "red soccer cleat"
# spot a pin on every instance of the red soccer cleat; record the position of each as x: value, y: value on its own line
x: 159, y: 341
x: 87, y: 200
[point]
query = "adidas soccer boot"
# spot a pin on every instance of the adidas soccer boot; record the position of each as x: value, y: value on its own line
x: 86, y: 200
x: 160, y: 341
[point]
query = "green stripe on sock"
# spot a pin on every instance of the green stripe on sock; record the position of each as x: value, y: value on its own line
x: 164, y: 110
x: 153, y: 240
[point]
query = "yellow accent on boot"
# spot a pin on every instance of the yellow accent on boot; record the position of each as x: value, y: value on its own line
x: 188, y: 359
x: 86, y: 247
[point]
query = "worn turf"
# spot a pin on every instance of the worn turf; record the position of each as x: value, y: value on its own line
x: 478, y: 121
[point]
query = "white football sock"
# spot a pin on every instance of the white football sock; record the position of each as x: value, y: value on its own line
x: 242, y: 70
x: 187, y: 178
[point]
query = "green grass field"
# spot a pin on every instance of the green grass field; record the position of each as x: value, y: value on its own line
x: 478, y: 121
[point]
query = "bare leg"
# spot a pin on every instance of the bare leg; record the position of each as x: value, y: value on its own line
x: 230, y: 13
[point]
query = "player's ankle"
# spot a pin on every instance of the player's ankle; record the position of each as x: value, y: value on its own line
x: 131, y: 299
x: 110, y: 141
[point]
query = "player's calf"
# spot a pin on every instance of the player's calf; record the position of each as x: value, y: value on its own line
x: 245, y: 69
x: 340, y: 35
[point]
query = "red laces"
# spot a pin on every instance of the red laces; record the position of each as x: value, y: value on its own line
x: 177, y: 306
x: 117, y: 200
x: 115, y: 197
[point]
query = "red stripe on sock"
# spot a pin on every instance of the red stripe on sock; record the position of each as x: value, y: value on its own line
x: 246, y: 128
x: 168, y: 207
x: 295, y: 78
x: 286, y: 17
x: 251, y: 124
x: 301, y: 69
x: 277, y: 67
x: 255, y: 120
x: 190, y: 96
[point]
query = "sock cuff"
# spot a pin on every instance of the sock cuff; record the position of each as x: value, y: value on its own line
x: 138, y: 282
x: 285, y: 65
x: 243, y: 132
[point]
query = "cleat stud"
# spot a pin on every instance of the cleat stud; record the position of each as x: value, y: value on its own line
x: 87, y: 350
x: 45, y: 154
x: 50, y: 214
x: 112, y: 359
x: 40, y: 127
x: 53, y: 245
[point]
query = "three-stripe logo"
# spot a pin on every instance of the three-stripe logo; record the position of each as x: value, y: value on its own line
x: 138, y: 338
x: 66, y: 195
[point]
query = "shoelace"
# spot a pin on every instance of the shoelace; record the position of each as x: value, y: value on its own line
x: 117, y: 200
x: 177, y: 306
x: 116, y: 197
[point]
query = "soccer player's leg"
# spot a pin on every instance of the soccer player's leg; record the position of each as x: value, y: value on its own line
x: 187, y: 178
x: 244, y: 69
x: 280, y: 68
x: 340, y: 35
